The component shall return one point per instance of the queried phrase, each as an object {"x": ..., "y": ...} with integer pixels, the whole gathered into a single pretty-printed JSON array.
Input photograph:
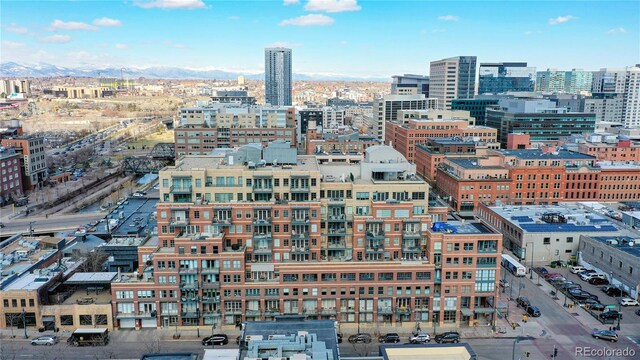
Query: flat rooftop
[
  {"x": 534, "y": 154},
  {"x": 555, "y": 218},
  {"x": 83, "y": 296},
  {"x": 136, "y": 219},
  {"x": 460, "y": 227},
  {"x": 461, "y": 351},
  {"x": 473, "y": 163},
  {"x": 304, "y": 163},
  {"x": 29, "y": 282},
  {"x": 627, "y": 244}
]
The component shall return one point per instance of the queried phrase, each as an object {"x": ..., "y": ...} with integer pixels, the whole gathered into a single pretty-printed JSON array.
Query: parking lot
[{"x": 630, "y": 322}]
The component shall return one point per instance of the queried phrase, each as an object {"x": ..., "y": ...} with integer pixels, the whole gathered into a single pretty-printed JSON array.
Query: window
[
  {"x": 423, "y": 275},
  {"x": 546, "y": 241},
  {"x": 86, "y": 320},
  {"x": 66, "y": 319}
]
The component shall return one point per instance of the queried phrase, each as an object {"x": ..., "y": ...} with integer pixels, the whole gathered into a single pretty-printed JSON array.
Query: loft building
[
  {"x": 352, "y": 243},
  {"x": 33, "y": 161}
]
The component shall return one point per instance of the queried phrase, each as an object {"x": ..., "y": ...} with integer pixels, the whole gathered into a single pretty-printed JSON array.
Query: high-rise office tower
[
  {"x": 277, "y": 76},
  {"x": 551, "y": 80},
  {"x": 452, "y": 78},
  {"x": 577, "y": 81},
  {"x": 496, "y": 78}
]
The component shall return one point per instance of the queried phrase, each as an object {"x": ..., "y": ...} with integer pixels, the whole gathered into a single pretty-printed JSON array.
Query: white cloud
[
  {"x": 448, "y": 18},
  {"x": 343, "y": 42},
  {"x": 121, "y": 46},
  {"x": 233, "y": 18},
  {"x": 180, "y": 46},
  {"x": 435, "y": 31},
  {"x": 561, "y": 19},
  {"x": 11, "y": 44},
  {"x": 284, "y": 44},
  {"x": 619, "y": 30},
  {"x": 105, "y": 21},
  {"x": 13, "y": 28},
  {"x": 170, "y": 4},
  {"x": 530, "y": 32},
  {"x": 309, "y": 20},
  {"x": 291, "y": 2},
  {"x": 332, "y": 6},
  {"x": 71, "y": 25},
  {"x": 58, "y": 39}
]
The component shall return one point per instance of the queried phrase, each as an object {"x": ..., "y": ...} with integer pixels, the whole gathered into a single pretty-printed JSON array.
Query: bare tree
[
  {"x": 151, "y": 343},
  {"x": 13, "y": 319},
  {"x": 362, "y": 349},
  {"x": 93, "y": 260}
]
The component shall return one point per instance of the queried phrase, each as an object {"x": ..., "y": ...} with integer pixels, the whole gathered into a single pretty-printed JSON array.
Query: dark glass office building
[{"x": 496, "y": 78}]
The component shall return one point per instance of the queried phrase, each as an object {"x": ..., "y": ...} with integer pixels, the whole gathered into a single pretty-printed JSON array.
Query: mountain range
[{"x": 12, "y": 69}]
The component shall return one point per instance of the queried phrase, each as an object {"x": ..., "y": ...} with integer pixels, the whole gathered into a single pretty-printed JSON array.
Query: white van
[{"x": 577, "y": 269}]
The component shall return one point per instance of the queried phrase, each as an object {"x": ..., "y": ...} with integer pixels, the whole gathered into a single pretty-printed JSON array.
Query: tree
[
  {"x": 12, "y": 320},
  {"x": 93, "y": 260},
  {"x": 151, "y": 343}
]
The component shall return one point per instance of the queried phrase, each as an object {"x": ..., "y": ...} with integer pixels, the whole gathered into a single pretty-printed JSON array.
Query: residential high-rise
[
  {"x": 622, "y": 81},
  {"x": 551, "y": 80},
  {"x": 577, "y": 81},
  {"x": 277, "y": 76},
  {"x": 410, "y": 84},
  {"x": 496, "y": 78},
  {"x": 452, "y": 78}
]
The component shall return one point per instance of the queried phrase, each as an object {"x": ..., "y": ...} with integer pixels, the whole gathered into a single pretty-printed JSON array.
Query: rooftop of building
[
  {"x": 319, "y": 340},
  {"x": 627, "y": 244},
  {"x": 556, "y": 218},
  {"x": 133, "y": 217},
  {"x": 473, "y": 164},
  {"x": 427, "y": 352},
  {"x": 538, "y": 154},
  {"x": 621, "y": 165},
  {"x": 24, "y": 253},
  {"x": 461, "y": 227}
]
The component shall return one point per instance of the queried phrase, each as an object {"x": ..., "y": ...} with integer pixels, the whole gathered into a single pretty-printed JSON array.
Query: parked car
[
  {"x": 216, "y": 339},
  {"x": 551, "y": 275},
  {"x": 613, "y": 291},
  {"x": 360, "y": 338},
  {"x": 421, "y": 338},
  {"x": 605, "y": 335},
  {"x": 579, "y": 294},
  {"x": 523, "y": 301},
  {"x": 339, "y": 338},
  {"x": 558, "y": 263},
  {"x": 598, "y": 281},
  {"x": 448, "y": 337},
  {"x": 504, "y": 283},
  {"x": 542, "y": 270},
  {"x": 577, "y": 269},
  {"x": 638, "y": 312},
  {"x": 597, "y": 307},
  {"x": 389, "y": 338},
  {"x": 533, "y": 311},
  {"x": 45, "y": 340},
  {"x": 611, "y": 315},
  {"x": 628, "y": 302}
]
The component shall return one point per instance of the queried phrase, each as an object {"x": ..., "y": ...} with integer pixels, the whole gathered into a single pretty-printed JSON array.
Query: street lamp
[
  {"x": 619, "y": 296},
  {"x": 434, "y": 322},
  {"x": 533, "y": 244},
  {"x": 24, "y": 323}
]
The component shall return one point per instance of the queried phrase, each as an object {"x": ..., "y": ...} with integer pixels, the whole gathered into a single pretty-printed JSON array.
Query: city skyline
[{"x": 329, "y": 37}]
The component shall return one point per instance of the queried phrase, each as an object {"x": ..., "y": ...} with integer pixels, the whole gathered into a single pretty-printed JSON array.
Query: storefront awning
[
  {"x": 483, "y": 310},
  {"x": 466, "y": 312},
  {"x": 502, "y": 305}
]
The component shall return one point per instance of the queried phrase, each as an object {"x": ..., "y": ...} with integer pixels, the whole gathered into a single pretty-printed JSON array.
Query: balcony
[
  {"x": 121, "y": 315},
  {"x": 336, "y": 201},
  {"x": 178, "y": 222},
  {"x": 262, "y": 221},
  {"x": 222, "y": 222},
  {"x": 252, "y": 312},
  {"x": 189, "y": 286},
  {"x": 299, "y": 249},
  {"x": 403, "y": 310},
  {"x": 213, "y": 270},
  {"x": 328, "y": 311},
  {"x": 214, "y": 313},
  {"x": 233, "y": 311},
  {"x": 375, "y": 235},
  {"x": 189, "y": 314},
  {"x": 337, "y": 245},
  {"x": 337, "y": 232},
  {"x": 300, "y": 236},
  {"x": 180, "y": 189},
  {"x": 374, "y": 249},
  {"x": 411, "y": 235},
  {"x": 411, "y": 249},
  {"x": 300, "y": 189},
  {"x": 211, "y": 299},
  {"x": 262, "y": 250},
  {"x": 337, "y": 218},
  {"x": 302, "y": 220},
  {"x": 188, "y": 271},
  {"x": 347, "y": 310},
  {"x": 272, "y": 311},
  {"x": 188, "y": 299},
  {"x": 385, "y": 311},
  {"x": 262, "y": 237},
  {"x": 262, "y": 190}
]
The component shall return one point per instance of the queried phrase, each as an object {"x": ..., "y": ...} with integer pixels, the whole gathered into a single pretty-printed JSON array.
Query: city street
[{"x": 52, "y": 223}]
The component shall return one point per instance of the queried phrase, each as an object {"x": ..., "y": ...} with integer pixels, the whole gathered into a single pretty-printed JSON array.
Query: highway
[{"x": 51, "y": 224}]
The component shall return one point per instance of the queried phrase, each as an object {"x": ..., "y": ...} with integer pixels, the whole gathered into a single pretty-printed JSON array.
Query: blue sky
[{"x": 347, "y": 37}]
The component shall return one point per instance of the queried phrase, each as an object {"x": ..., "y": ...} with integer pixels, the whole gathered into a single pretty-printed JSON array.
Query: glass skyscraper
[
  {"x": 277, "y": 76},
  {"x": 496, "y": 78}
]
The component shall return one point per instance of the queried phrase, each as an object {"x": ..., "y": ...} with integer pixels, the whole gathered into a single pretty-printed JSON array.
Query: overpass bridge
[{"x": 48, "y": 225}]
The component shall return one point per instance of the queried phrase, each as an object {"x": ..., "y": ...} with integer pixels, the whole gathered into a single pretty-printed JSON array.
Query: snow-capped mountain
[{"x": 12, "y": 69}]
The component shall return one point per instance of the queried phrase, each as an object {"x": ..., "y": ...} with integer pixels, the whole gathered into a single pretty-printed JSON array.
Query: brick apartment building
[
  {"x": 413, "y": 128},
  {"x": 355, "y": 243},
  {"x": 430, "y": 154},
  {"x": 330, "y": 143},
  {"x": 10, "y": 176},
  {"x": 533, "y": 176},
  {"x": 33, "y": 162},
  {"x": 621, "y": 150}
]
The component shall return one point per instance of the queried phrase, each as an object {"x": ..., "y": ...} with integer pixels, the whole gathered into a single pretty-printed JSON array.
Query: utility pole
[{"x": 24, "y": 323}]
